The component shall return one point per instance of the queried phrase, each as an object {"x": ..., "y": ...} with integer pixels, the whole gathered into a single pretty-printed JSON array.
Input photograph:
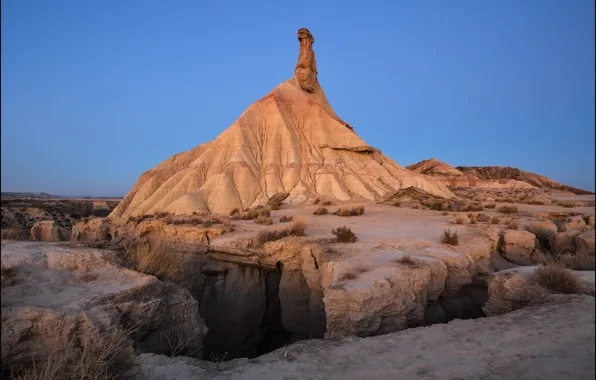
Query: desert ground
[{"x": 204, "y": 296}]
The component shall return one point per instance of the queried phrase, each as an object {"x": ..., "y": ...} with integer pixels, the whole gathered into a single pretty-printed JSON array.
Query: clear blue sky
[{"x": 94, "y": 93}]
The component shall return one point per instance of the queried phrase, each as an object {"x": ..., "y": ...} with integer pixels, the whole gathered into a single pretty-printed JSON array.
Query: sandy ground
[{"x": 549, "y": 341}]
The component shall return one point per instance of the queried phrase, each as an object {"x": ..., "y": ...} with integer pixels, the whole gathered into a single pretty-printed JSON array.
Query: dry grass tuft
[
  {"x": 407, "y": 261},
  {"x": 7, "y": 276},
  {"x": 107, "y": 358},
  {"x": 558, "y": 279},
  {"x": 316, "y": 202},
  {"x": 490, "y": 205},
  {"x": 495, "y": 220},
  {"x": 508, "y": 209},
  {"x": 262, "y": 219},
  {"x": 286, "y": 219},
  {"x": 567, "y": 204},
  {"x": 450, "y": 237},
  {"x": 344, "y": 235},
  {"x": 154, "y": 260},
  {"x": 475, "y": 206},
  {"x": 396, "y": 204},
  {"x": 354, "y": 211},
  {"x": 348, "y": 276},
  {"x": 327, "y": 203},
  {"x": 321, "y": 211},
  {"x": 235, "y": 212},
  {"x": 296, "y": 229}
]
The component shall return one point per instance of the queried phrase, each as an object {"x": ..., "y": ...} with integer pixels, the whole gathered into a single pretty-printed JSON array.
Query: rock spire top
[{"x": 306, "y": 68}]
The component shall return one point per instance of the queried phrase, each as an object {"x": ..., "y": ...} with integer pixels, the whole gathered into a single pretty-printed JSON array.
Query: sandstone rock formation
[
  {"x": 58, "y": 296},
  {"x": 506, "y": 172},
  {"x": 517, "y": 246},
  {"x": 489, "y": 177},
  {"x": 290, "y": 141},
  {"x": 49, "y": 231},
  {"x": 514, "y": 288},
  {"x": 452, "y": 177}
]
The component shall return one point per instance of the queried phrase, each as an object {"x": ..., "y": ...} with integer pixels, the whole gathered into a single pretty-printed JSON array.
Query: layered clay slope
[
  {"x": 289, "y": 141},
  {"x": 453, "y": 177},
  {"x": 506, "y": 172}
]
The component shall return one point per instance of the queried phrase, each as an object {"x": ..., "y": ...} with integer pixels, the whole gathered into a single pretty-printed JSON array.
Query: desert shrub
[
  {"x": 107, "y": 358},
  {"x": 321, "y": 211},
  {"x": 344, "y": 235},
  {"x": 235, "y": 212},
  {"x": 490, "y": 205},
  {"x": 567, "y": 204},
  {"x": 450, "y": 237},
  {"x": 509, "y": 200},
  {"x": 396, "y": 204},
  {"x": 444, "y": 213},
  {"x": 408, "y": 261},
  {"x": 579, "y": 261},
  {"x": 513, "y": 225},
  {"x": 436, "y": 204},
  {"x": 162, "y": 214},
  {"x": 558, "y": 279},
  {"x": 297, "y": 229},
  {"x": 460, "y": 219},
  {"x": 473, "y": 218},
  {"x": 416, "y": 206},
  {"x": 7, "y": 276},
  {"x": 327, "y": 203},
  {"x": 192, "y": 220},
  {"x": 354, "y": 211},
  {"x": 286, "y": 219},
  {"x": 316, "y": 202},
  {"x": 298, "y": 226},
  {"x": 495, "y": 220},
  {"x": 508, "y": 209},
  {"x": 262, "y": 219},
  {"x": 474, "y": 206},
  {"x": 154, "y": 260},
  {"x": 347, "y": 276}
]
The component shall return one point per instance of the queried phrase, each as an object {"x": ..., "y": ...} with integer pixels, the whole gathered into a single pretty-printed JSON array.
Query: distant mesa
[
  {"x": 290, "y": 141},
  {"x": 492, "y": 177}
]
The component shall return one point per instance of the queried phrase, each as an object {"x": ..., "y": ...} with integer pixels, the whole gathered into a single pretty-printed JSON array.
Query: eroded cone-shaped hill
[{"x": 289, "y": 141}]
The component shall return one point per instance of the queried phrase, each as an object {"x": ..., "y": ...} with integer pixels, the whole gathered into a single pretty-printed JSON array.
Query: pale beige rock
[
  {"x": 60, "y": 294},
  {"x": 585, "y": 243},
  {"x": 49, "y": 231},
  {"x": 517, "y": 246},
  {"x": 290, "y": 141},
  {"x": 514, "y": 288},
  {"x": 575, "y": 223}
]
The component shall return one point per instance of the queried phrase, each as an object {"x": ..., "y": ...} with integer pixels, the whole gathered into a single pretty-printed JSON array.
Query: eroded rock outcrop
[
  {"x": 59, "y": 296},
  {"x": 49, "y": 231},
  {"x": 517, "y": 246}
]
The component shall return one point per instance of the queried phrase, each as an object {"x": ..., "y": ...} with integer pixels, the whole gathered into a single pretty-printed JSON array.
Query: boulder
[
  {"x": 59, "y": 296},
  {"x": 48, "y": 230},
  {"x": 517, "y": 246},
  {"x": 563, "y": 242},
  {"x": 589, "y": 220},
  {"x": 575, "y": 223},
  {"x": 482, "y": 217},
  {"x": 585, "y": 243},
  {"x": 514, "y": 288}
]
